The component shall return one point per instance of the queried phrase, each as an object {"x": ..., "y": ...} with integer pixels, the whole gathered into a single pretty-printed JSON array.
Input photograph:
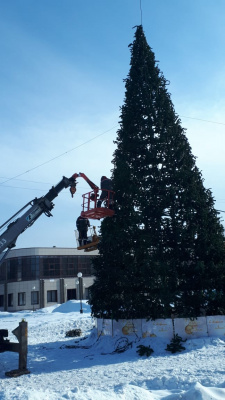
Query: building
[{"x": 39, "y": 277}]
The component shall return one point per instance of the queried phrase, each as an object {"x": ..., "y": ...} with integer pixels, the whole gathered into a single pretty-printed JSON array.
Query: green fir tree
[{"x": 165, "y": 244}]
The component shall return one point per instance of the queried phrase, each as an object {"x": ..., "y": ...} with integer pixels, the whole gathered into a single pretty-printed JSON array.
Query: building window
[
  {"x": 69, "y": 266},
  {"x": 1, "y": 300},
  {"x": 30, "y": 268},
  {"x": 10, "y": 300},
  {"x": 22, "y": 299},
  {"x": 51, "y": 267},
  {"x": 34, "y": 297},
  {"x": 52, "y": 296},
  {"x": 85, "y": 265},
  {"x": 3, "y": 271},
  {"x": 35, "y": 267},
  {"x": 12, "y": 269}
]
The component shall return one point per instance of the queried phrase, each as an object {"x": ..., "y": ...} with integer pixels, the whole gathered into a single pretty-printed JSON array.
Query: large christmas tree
[{"x": 164, "y": 248}]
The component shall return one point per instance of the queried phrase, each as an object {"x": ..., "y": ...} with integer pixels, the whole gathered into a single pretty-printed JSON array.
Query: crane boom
[
  {"x": 38, "y": 206},
  {"x": 90, "y": 183}
]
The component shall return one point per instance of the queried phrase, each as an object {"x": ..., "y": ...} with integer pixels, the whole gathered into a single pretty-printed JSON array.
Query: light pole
[
  {"x": 65, "y": 293},
  {"x": 33, "y": 288},
  {"x": 79, "y": 275}
]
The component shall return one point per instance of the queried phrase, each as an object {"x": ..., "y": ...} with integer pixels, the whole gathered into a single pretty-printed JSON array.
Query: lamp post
[
  {"x": 79, "y": 275},
  {"x": 33, "y": 288},
  {"x": 65, "y": 293}
]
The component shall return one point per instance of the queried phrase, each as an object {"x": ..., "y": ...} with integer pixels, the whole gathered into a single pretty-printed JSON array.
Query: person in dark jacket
[
  {"x": 82, "y": 224},
  {"x": 106, "y": 185}
]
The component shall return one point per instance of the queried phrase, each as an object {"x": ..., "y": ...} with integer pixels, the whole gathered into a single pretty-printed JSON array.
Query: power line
[
  {"x": 60, "y": 155},
  {"x": 88, "y": 141},
  {"x": 25, "y": 180},
  {"x": 204, "y": 120},
  {"x": 36, "y": 189},
  {"x": 24, "y": 188}
]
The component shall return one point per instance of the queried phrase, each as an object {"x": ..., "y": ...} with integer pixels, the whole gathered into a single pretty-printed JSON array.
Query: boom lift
[
  {"x": 92, "y": 240},
  {"x": 89, "y": 206},
  {"x": 13, "y": 227},
  {"x": 90, "y": 210}
]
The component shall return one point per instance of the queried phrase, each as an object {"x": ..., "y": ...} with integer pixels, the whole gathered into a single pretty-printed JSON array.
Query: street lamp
[
  {"x": 33, "y": 288},
  {"x": 79, "y": 275},
  {"x": 65, "y": 293}
]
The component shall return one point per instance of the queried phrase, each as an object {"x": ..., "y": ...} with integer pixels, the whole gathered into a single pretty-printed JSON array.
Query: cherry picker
[{"x": 16, "y": 225}]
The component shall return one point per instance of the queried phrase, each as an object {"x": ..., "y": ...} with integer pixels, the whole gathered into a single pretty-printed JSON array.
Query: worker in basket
[
  {"x": 82, "y": 224},
  {"x": 106, "y": 187}
]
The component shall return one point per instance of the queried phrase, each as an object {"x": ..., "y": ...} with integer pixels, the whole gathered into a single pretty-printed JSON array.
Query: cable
[
  {"x": 25, "y": 188},
  {"x": 141, "y": 11},
  {"x": 88, "y": 141},
  {"x": 204, "y": 120},
  {"x": 60, "y": 155},
  {"x": 26, "y": 180},
  {"x": 41, "y": 190}
]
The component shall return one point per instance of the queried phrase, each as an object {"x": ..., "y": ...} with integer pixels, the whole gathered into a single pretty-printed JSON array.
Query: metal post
[
  {"x": 33, "y": 289},
  {"x": 79, "y": 275}
]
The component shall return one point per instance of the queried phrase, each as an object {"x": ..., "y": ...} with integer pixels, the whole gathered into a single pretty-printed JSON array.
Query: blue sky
[{"x": 61, "y": 78}]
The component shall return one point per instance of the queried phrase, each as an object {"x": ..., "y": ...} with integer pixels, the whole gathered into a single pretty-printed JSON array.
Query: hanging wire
[
  {"x": 26, "y": 180},
  {"x": 141, "y": 11},
  {"x": 82, "y": 144},
  {"x": 60, "y": 155},
  {"x": 204, "y": 120}
]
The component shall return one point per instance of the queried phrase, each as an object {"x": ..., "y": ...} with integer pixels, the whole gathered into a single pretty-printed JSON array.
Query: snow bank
[{"x": 72, "y": 306}]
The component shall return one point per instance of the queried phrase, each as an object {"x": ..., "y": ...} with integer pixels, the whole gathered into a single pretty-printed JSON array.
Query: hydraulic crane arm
[
  {"x": 90, "y": 183},
  {"x": 38, "y": 206}
]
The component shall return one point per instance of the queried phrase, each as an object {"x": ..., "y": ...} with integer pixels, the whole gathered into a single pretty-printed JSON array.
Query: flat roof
[{"x": 49, "y": 251}]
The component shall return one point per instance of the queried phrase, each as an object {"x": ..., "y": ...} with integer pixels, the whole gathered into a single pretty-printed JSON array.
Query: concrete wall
[{"x": 42, "y": 286}]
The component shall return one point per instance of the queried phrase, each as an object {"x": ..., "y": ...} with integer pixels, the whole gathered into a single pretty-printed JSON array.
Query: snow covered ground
[{"x": 92, "y": 368}]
